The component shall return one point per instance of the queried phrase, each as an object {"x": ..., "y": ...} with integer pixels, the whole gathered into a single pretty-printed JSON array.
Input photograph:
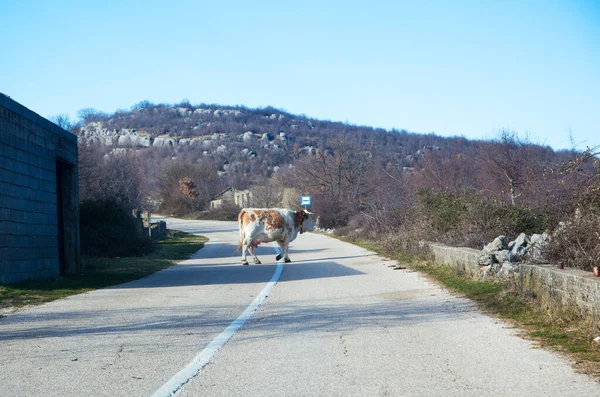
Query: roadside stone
[
  {"x": 504, "y": 256},
  {"x": 486, "y": 272},
  {"x": 495, "y": 268},
  {"x": 538, "y": 244},
  {"x": 519, "y": 252},
  {"x": 508, "y": 269},
  {"x": 498, "y": 244},
  {"x": 485, "y": 260},
  {"x": 522, "y": 241}
]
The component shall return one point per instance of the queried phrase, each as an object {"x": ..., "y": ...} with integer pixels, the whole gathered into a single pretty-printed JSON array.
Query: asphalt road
[{"x": 339, "y": 322}]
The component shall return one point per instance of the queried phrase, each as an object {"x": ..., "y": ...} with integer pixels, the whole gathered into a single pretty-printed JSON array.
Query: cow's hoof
[
  {"x": 257, "y": 261},
  {"x": 287, "y": 260},
  {"x": 278, "y": 257},
  {"x": 245, "y": 263}
]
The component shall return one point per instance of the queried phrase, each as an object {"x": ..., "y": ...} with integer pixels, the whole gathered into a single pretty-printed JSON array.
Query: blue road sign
[{"x": 306, "y": 201}]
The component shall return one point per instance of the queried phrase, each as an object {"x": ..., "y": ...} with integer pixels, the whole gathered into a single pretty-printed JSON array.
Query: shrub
[
  {"x": 444, "y": 211},
  {"x": 472, "y": 220},
  {"x": 577, "y": 242},
  {"x": 227, "y": 212},
  {"x": 107, "y": 229}
]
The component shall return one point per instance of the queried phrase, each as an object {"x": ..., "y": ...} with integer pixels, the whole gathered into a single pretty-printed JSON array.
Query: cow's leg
[
  {"x": 280, "y": 255},
  {"x": 245, "y": 246},
  {"x": 284, "y": 252},
  {"x": 254, "y": 257},
  {"x": 286, "y": 246}
]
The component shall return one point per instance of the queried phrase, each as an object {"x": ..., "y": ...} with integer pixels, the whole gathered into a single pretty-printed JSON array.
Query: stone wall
[
  {"x": 39, "y": 226},
  {"x": 562, "y": 287},
  {"x": 565, "y": 288},
  {"x": 460, "y": 258}
]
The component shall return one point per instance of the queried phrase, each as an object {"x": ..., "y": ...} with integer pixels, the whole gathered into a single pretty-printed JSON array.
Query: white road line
[{"x": 200, "y": 361}]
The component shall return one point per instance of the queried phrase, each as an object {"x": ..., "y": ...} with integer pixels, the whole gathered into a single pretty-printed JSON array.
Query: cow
[{"x": 264, "y": 225}]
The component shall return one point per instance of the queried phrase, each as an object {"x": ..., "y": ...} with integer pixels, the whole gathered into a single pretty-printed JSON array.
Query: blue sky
[{"x": 455, "y": 68}]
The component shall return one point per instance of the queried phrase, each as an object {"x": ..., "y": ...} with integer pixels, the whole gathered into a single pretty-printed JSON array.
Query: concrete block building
[{"x": 39, "y": 202}]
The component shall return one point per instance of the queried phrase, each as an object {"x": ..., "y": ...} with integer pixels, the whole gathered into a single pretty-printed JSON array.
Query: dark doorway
[{"x": 64, "y": 198}]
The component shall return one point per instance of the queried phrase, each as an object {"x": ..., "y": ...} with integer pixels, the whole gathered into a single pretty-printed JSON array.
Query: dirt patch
[{"x": 403, "y": 295}]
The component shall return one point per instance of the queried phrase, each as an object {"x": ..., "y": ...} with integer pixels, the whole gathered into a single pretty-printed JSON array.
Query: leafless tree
[
  {"x": 508, "y": 159},
  {"x": 206, "y": 182},
  {"x": 266, "y": 196},
  {"x": 338, "y": 178},
  {"x": 109, "y": 176},
  {"x": 63, "y": 121}
]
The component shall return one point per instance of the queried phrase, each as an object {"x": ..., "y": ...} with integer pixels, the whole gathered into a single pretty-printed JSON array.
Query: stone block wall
[
  {"x": 563, "y": 288},
  {"x": 460, "y": 258},
  {"x": 39, "y": 226}
]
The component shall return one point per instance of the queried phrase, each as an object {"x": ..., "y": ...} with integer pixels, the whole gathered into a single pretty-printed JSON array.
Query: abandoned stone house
[
  {"x": 39, "y": 205},
  {"x": 262, "y": 196},
  {"x": 241, "y": 198}
]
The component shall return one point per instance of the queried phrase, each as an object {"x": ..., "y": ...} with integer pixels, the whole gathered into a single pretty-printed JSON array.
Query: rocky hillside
[{"x": 245, "y": 140}]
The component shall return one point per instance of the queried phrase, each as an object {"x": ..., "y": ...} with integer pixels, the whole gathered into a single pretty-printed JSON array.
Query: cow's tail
[{"x": 241, "y": 226}]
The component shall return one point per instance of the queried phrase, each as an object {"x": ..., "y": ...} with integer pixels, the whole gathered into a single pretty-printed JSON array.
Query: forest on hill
[{"x": 375, "y": 183}]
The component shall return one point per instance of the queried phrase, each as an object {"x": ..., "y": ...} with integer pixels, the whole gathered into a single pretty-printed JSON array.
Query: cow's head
[{"x": 304, "y": 221}]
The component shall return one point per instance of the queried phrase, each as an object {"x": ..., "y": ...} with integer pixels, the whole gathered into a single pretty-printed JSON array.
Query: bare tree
[
  {"x": 266, "y": 196},
  {"x": 90, "y": 114},
  {"x": 63, "y": 121},
  {"x": 338, "y": 178},
  {"x": 509, "y": 160},
  {"x": 445, "y": 172},
  {"x": 174, "y": 198},
  {"x": 109, "y": 176}
]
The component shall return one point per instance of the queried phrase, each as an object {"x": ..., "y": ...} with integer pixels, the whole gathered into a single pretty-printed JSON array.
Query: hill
[
  {"x": 351, "y": 169},
  {"x": 395, "y": 185},
  {"x": 250, "y": 142}
]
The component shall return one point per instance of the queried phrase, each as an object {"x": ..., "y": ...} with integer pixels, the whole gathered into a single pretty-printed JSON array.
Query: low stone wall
[
  {"x": 459, "y": 258},
  {"x": 566, "y": 288}
]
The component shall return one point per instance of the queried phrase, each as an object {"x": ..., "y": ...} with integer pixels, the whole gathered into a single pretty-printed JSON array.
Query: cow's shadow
[
  {"x": 188, "y": 275},
  {"x": 218, "y": 263},
  {"x": 266, "y": 251}
]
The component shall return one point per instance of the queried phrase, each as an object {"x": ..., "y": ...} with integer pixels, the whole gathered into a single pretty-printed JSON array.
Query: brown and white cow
[{"x": 263, "y": 225}]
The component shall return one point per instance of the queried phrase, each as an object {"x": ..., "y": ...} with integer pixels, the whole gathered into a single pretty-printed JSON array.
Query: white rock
[
  {"x": 508, "y": 269},
  {"x": 522, "y": 240},
  {"x": 163, "y": 142},
  {"x": 124, "y": 140},
  {"x": 222, "y": 149},
  {"x": 498, "y": 244},
  {"x": 504, "y": 256},
  {"x": 248, "y": 136},
  {"x": 183, "y": 111}
]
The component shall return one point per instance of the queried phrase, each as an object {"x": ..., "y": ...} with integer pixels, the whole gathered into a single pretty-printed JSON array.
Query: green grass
[{"x": 103, "y": 272}]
